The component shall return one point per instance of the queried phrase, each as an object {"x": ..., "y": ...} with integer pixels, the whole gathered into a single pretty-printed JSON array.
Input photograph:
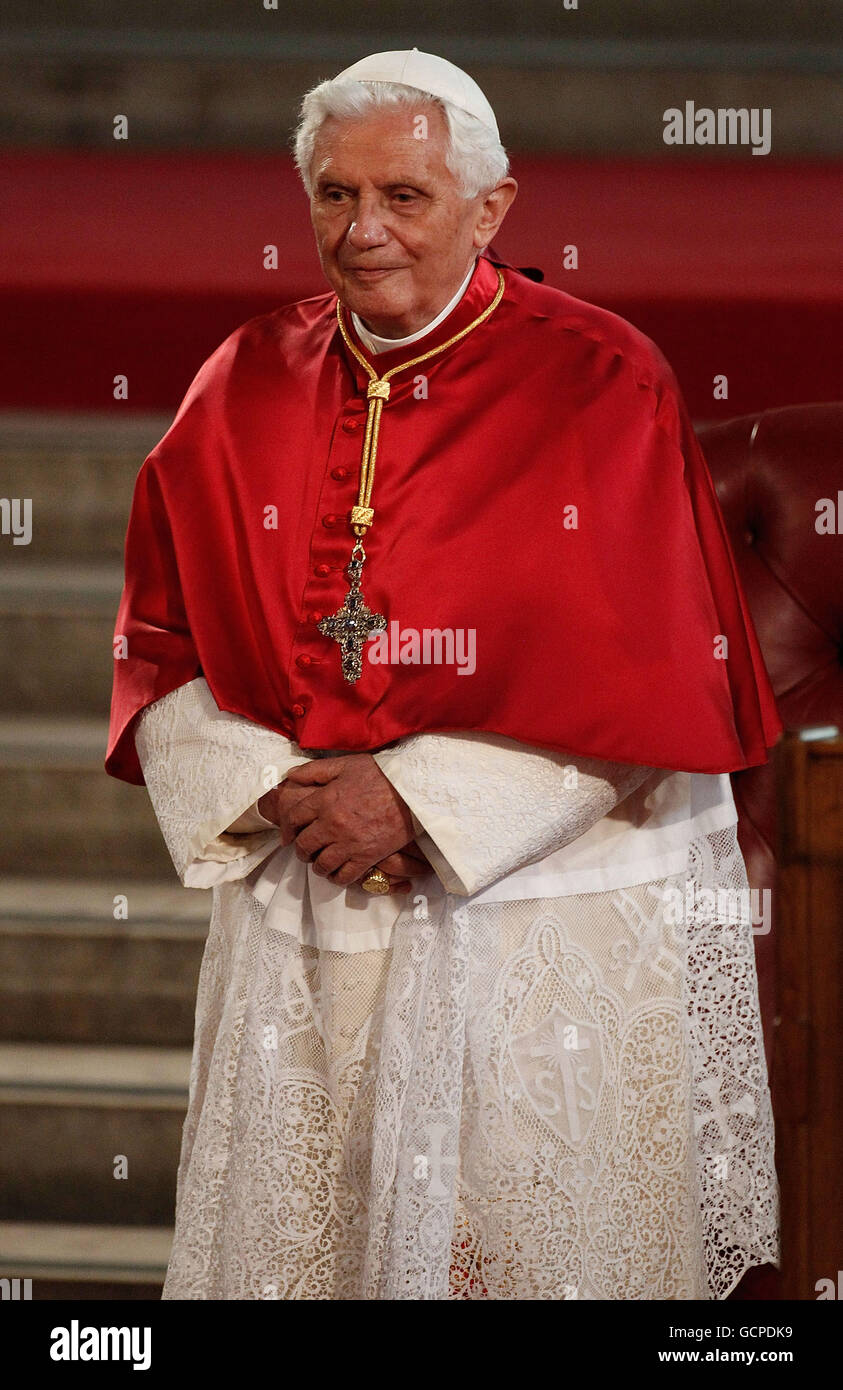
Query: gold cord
[{"x": 377, "y": 393}]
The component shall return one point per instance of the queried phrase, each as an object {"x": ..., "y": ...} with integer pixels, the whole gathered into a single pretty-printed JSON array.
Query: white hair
[{"x": 475, "y": 156}]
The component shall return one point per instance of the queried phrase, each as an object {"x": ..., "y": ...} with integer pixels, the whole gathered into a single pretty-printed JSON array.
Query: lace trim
[{"x": 551, "y": 1099}]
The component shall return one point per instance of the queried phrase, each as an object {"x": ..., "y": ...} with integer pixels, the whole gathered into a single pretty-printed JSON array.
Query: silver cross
[{"x": 351, "y": 625}]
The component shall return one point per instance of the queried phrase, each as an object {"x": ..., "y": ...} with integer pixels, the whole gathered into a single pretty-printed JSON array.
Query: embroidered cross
[{"x": 648, "y": 948}]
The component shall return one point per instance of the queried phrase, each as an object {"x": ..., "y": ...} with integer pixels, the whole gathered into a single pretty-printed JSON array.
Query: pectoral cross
[{"x": 351, "y": 624}]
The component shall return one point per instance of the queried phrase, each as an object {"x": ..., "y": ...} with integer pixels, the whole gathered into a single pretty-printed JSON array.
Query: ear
[{"x": 495, "y": 206}]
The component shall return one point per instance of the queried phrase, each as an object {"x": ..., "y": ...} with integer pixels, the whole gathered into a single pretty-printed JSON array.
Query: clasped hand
[{"x": 345, "y": 818}]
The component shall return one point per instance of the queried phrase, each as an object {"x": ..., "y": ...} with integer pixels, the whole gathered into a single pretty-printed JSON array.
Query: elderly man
[{"x": 433, "y": 658}]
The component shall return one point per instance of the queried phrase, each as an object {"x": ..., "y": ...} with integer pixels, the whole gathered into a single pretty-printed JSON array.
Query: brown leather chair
[{"x": 770, "y": 470}]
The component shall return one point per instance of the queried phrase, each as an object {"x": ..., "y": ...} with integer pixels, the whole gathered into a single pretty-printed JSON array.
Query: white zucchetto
[{"x": 426, "y": 73}]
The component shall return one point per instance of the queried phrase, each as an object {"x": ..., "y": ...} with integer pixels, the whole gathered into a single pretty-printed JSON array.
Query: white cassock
[{"x": 539, "y": 1076}]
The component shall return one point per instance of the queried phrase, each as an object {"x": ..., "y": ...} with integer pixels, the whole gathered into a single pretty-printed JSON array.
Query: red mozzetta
[{"x": 538, "y": 486}]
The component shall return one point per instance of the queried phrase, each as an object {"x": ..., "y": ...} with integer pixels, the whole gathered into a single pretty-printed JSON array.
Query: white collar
[{"x": 376, "y": 344}]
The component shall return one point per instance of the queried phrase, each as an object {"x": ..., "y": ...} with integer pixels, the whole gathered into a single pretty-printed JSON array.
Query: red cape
[{"x": 602, "y": 638}]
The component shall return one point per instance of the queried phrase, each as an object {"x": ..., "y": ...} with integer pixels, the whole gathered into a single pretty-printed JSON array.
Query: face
[{"x": 395, "y": 236}]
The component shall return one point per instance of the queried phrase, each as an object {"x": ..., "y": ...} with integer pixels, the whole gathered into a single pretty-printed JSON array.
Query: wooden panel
[{"x": 808, "y": 1065}]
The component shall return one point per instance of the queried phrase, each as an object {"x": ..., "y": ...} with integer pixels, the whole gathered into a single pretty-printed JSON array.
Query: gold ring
[{"x": 376, "y": 882}]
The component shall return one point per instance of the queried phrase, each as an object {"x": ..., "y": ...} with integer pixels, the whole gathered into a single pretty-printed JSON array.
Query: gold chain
[{"x": 377, "y": 393}]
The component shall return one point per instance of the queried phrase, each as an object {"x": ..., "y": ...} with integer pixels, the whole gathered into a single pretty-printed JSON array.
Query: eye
[{"x": 404, "y": 198}]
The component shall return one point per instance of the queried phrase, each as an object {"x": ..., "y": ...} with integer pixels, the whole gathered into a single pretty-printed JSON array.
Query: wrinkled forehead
[{"x": 374, "y": 143}]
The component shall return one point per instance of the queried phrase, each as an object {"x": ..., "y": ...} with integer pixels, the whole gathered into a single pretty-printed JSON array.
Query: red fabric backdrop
[{"x": 140, "y": 264}]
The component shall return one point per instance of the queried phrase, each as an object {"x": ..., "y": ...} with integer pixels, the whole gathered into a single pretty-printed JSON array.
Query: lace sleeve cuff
[
  {"x": 205, "y": 769},
  {"x": 484, "y": 806}
]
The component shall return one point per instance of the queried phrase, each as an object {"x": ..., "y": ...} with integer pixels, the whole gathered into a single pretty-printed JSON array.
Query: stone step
[
  {"x": 79, "y": 472},
  {"x": 67, "y": 1114},
  {"x": 70, "y": 972},
  {"x": 64, "y": 815},
  {"x": 602, "y": 94},
  {"x": 67, "y": 1261},
  {"x": 332, "y": 29},
  {"x": 56, "y": 627}
]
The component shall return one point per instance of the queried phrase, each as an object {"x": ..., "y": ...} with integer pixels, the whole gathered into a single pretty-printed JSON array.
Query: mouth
[{"x": 373, "y": 272}]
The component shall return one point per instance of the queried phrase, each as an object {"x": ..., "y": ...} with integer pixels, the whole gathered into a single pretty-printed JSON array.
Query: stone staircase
[
  {"x": 561, "y": 75},
  {"x": 99, "y": 944}
]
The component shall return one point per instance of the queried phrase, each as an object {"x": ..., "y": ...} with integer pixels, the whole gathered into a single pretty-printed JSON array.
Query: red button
[
  {"x": 298, "y": 711},
  {"x": 351, "y": 425},
  {"x": 322, "y": 570},
  {"x": 331, "y": 520},
  {"x": 314, "y": 616},
  {"x": 340, "y": 473},
  {"x": 304, "y": 660}
]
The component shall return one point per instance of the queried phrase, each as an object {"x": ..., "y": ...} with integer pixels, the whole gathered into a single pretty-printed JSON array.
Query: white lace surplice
[{"x": 501, "y": 1095}]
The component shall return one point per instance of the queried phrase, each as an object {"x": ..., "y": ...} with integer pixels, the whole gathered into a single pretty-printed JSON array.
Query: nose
[{"x": 367, "y": 229}]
